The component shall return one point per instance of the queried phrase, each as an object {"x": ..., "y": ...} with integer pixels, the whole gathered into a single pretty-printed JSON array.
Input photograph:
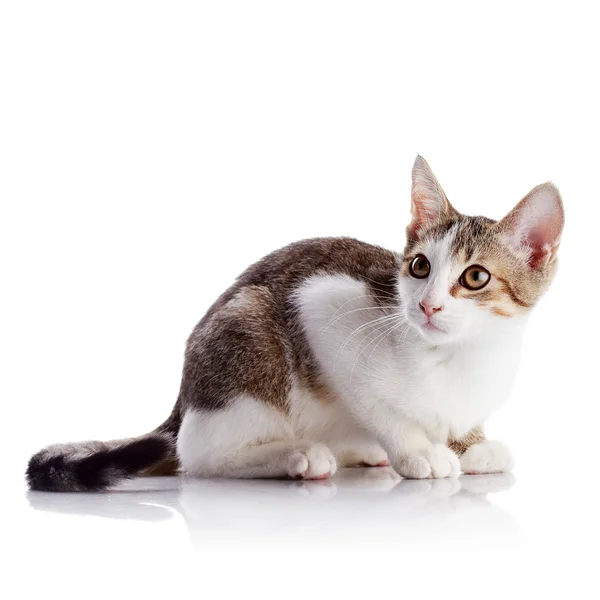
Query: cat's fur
[{"x": 320, "y": 355}]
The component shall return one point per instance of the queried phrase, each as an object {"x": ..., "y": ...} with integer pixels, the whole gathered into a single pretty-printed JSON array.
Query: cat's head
[{"x": 461, "y": 274}]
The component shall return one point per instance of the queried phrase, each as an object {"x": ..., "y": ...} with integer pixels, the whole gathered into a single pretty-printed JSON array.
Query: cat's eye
[
  {"x": 419, "y": 267},
  {"x": 475, "y": 277}
]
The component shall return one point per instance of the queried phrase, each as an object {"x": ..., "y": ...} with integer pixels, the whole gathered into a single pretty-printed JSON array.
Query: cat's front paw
[
  {"x": 435, "y": 462},
  {"x": 487, "y": 457},
  {"x": 313, "y": 462}
]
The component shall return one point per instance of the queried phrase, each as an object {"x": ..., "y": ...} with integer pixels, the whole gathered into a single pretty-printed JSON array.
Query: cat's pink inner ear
[
  {"x": 535, "y": 225},
  {"x": 428, "y": 200}
]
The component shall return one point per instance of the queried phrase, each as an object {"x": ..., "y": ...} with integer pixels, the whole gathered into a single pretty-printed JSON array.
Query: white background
[{"x": 150, "y": 151}]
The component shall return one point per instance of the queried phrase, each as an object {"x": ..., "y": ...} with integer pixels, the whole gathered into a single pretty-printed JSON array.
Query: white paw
[
  {"x": 375, "y": 456},
  {"x": 435, "y": 462},
  {"x": 367, "y": 456},
  {"x": 314, "y": 462},
  {"x": 487, "y": 457}
]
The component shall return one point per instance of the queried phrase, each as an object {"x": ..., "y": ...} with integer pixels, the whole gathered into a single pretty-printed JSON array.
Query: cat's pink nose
[{"x": 429, "y": 309}]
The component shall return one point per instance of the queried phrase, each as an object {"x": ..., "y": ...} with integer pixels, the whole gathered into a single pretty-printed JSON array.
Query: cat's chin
[
  {"x": 436, "y": 336},
  {"x": 432, "y": 333}
]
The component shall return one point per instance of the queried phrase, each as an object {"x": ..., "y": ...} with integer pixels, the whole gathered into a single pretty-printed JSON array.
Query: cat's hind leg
[
  {"x": 248, "y": 439},
  {"x": 367, "y": 455},
  {"x": 487, "y": 457},
  {"x": 479, "y": 455},
  {"x": 356, "y": 448}
]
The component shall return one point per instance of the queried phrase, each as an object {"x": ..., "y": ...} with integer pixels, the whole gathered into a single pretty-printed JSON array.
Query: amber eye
[
  {"x": 419, "y": 267},
  {"x": 474, "y": 277}
]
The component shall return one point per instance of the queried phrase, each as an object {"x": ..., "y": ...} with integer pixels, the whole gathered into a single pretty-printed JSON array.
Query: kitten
[{"x": 332, "y": 352}]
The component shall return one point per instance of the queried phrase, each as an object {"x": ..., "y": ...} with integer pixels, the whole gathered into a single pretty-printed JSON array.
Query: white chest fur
[
  {"x": 454, "y": 389},
  {"x": 379, "y": 365}
]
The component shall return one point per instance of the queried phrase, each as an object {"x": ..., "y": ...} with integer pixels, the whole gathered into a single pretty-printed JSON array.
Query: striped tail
[{"x": 94, "y": 466}]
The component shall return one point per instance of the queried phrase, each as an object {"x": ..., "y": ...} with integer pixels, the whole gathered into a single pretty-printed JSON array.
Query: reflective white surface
[
  {"x": 356, "y": 504},
  {"x": 365, "y": 532}
]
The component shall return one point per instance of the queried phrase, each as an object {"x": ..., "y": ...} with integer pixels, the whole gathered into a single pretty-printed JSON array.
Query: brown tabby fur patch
[
  {"x": 166, "y": 467},
  {"x": 474, "y": 436},
  {"x": 251, "y": 341}
]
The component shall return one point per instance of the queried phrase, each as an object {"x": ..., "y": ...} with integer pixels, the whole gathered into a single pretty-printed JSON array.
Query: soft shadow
[{"x": 367, "y": 502}]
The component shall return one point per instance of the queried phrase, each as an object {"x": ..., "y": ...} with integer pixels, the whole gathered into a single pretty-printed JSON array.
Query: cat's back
[
  {"x": 253, "y": 327},
  {"x": 321, "y": 256},
  {"x": 280, "y": 273}
]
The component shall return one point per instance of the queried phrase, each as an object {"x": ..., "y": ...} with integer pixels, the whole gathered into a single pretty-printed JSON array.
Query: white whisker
[
  {"x": 373, "y": 323},
  {"x": 377, "y": 337},
  {"x": 324, "y": 329}
]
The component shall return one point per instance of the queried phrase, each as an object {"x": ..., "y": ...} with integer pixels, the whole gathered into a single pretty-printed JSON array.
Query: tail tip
[{"x": 92, "y": 466}]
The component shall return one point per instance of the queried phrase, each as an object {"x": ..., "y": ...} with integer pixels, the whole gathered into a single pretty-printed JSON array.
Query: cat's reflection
[{"x": 361, "y": 499}]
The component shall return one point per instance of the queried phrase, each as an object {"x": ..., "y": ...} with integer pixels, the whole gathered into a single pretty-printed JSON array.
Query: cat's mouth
[
  {"x": 425, "y": 324},
  {"x": 432, "y": 327},
  {"x": 429, "y": 326}
]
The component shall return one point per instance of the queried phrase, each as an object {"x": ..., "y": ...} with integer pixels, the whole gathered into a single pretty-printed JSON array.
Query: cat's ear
[
  {"x": 535, "y": 225},
  {"x": 428, "y": 200}
]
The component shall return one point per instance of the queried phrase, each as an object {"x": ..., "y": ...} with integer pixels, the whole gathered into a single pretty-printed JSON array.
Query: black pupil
[
  {"x": 476, "y": 275},
  {"x": 421, "y": 265}
]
